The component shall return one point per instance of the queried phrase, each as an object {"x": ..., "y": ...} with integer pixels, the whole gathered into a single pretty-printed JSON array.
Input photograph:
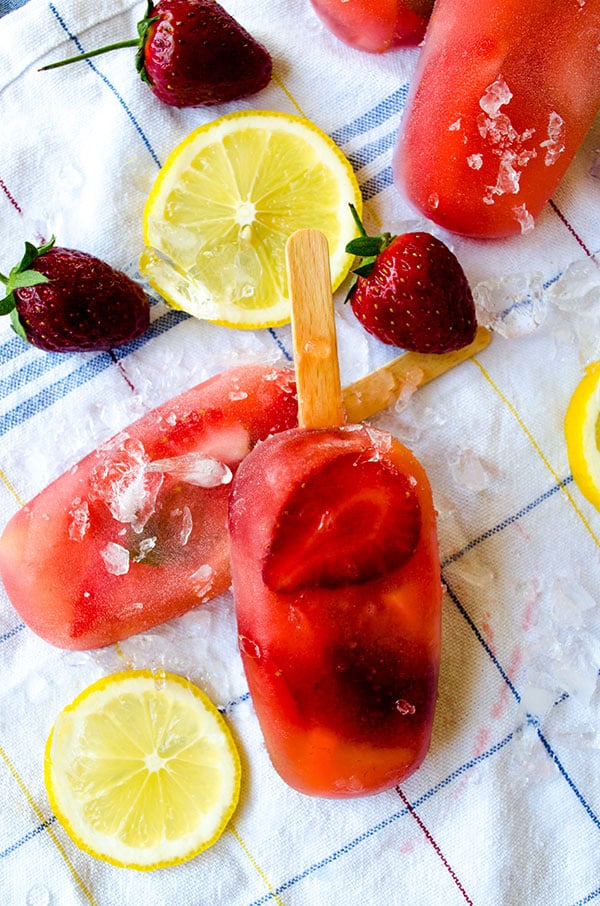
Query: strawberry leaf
[
  {"x": 7, "y": 304},
  {"x": 15, "y": 323},
  {"x": 31, "y": 253},
  {"x": 26, "y": 278},
  {"x": 365, "y": 246},
  {"x": 365, "y": 268},
  {"x": 20, "y": 276}
]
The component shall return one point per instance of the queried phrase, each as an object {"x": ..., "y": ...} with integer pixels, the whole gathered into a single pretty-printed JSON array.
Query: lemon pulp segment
[
  {"x": 141, "y": 770},
  {"x": 225, "y": 202},
  {"x": 582, "y": 433}
]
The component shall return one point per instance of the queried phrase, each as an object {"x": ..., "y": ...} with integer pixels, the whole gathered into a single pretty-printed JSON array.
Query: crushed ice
[
  {"x": 511, "y": 147},
  {"x": 468, "y": 471},
  {"x": 560, "y": 685},
  {"x": 120, "y": 481},
  {"x": 202, "y": 580},
  {"x": 555, "y": 143},
  {"x": 514, "y": 305},
  {"x": 194, "y": 468},
  {"x": 496, "y": 95},
  {"x": 80, "y": 519},
  {"x": 116, "y": 559}
]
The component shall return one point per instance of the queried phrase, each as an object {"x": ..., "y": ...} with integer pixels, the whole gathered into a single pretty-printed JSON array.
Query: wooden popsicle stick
[
  {"x": 379, "y": 389},
  {"x": 314, "y": 341}
]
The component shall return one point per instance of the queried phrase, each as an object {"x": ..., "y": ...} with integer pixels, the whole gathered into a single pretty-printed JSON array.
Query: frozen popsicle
[
  {"x": 336, "y": 576},
  {"x": 136, "y": 533},
  {"x": 502, "y": 98}
]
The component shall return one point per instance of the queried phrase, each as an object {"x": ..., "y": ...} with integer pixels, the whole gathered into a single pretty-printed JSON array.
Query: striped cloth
[
  {"x": 7, "y": 6},
  {"x": 505, "y": 811}
]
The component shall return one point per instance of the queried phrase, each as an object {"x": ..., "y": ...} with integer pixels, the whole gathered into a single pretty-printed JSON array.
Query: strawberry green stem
[
  {"x": 357, "y": 220},
  {"x": 131, "y": 42},
  {"x": 139, "y": 42},
  {"x": 365, "y": 247}
]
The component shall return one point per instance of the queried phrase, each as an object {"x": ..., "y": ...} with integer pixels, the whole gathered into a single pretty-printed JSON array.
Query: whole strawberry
[
  {"x": 410, "y": 291},
  {"x": 62, "y": 300},
  {"x": 192, "y": 53}
]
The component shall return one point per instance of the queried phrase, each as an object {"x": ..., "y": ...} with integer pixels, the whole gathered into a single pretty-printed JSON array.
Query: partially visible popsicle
[
  {"x": 502, "y": 98},
  {"x": 336, "y": 576},
  {"x": 375, "y": 26},
  {"x": 136, "y": 533}
]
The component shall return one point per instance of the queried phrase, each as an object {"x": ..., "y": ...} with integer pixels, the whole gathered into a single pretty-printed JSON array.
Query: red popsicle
[
  {"x": 503, "y": 96},
  {"x": 375, "y": 26},
  {"x": 336, "y": 576},
  {"x": 136, "y": 533}
]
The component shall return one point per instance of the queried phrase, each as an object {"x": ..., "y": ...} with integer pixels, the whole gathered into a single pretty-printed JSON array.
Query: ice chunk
[
  {"x": 555, "y": 143},
  {"x": 468, "y": 471},
  {"x": 578, "y": 288},
  {"x": 382, "y": 444},
  {"x": 412, "y": 381},
  {"x": 80, "y": 519},
  {"x": 187, "y": 524},
  {"x": 194, "y": 468},
  {"x": 513, "y": 305},
  {"x": 145, "y": 546},
  {"x": 119, "y": 480},
  {"x": 116, "y": 559},
  {"x": 524, "y": 218},
  {"x": 202, "y": 580},
  {"x": 571, "y": 603},
  {"x": 475, "y": 161},
  {"x": 477, "y": 574},
  {"x": 495, "y": 96},
  {"x": 537, "y": 700}
]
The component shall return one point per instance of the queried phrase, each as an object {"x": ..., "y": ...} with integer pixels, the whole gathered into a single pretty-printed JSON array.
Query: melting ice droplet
[{"x": 195, "y": 468}]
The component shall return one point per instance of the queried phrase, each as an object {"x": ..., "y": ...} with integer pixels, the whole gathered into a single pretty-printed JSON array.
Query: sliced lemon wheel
[
  {"x": 223, "y": 205},
  {"x": 582, "y": 433},
  {"x": 141, "y": 770}
]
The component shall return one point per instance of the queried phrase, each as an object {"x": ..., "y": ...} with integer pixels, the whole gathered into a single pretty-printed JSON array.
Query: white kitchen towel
[{"x": 505, "y": 810}]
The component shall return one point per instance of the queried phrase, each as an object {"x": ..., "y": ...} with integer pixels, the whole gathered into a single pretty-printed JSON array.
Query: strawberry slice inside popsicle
[{"x": 353, "y": 521}]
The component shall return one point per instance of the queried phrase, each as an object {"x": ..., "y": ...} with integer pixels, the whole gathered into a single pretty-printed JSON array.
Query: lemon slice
[
  {"x": 582, "y": 432},
  {"x": 141, "y": 770},
  {"x": 223, "y": 205}
]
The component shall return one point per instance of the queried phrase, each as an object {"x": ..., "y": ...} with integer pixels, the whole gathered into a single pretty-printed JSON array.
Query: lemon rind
[{"x": 580, "y": 433}]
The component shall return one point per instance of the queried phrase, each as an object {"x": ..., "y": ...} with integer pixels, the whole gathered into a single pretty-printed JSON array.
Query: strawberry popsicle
[
  {"x": 136, "y": 533},
  {"x": 336, "y": 577},
  {"x": 375, "y": 26},
  {"x": 503, "y": 96}
]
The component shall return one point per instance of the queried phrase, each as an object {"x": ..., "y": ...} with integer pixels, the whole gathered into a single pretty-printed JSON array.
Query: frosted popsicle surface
[{"x": 503, "y": 96}]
